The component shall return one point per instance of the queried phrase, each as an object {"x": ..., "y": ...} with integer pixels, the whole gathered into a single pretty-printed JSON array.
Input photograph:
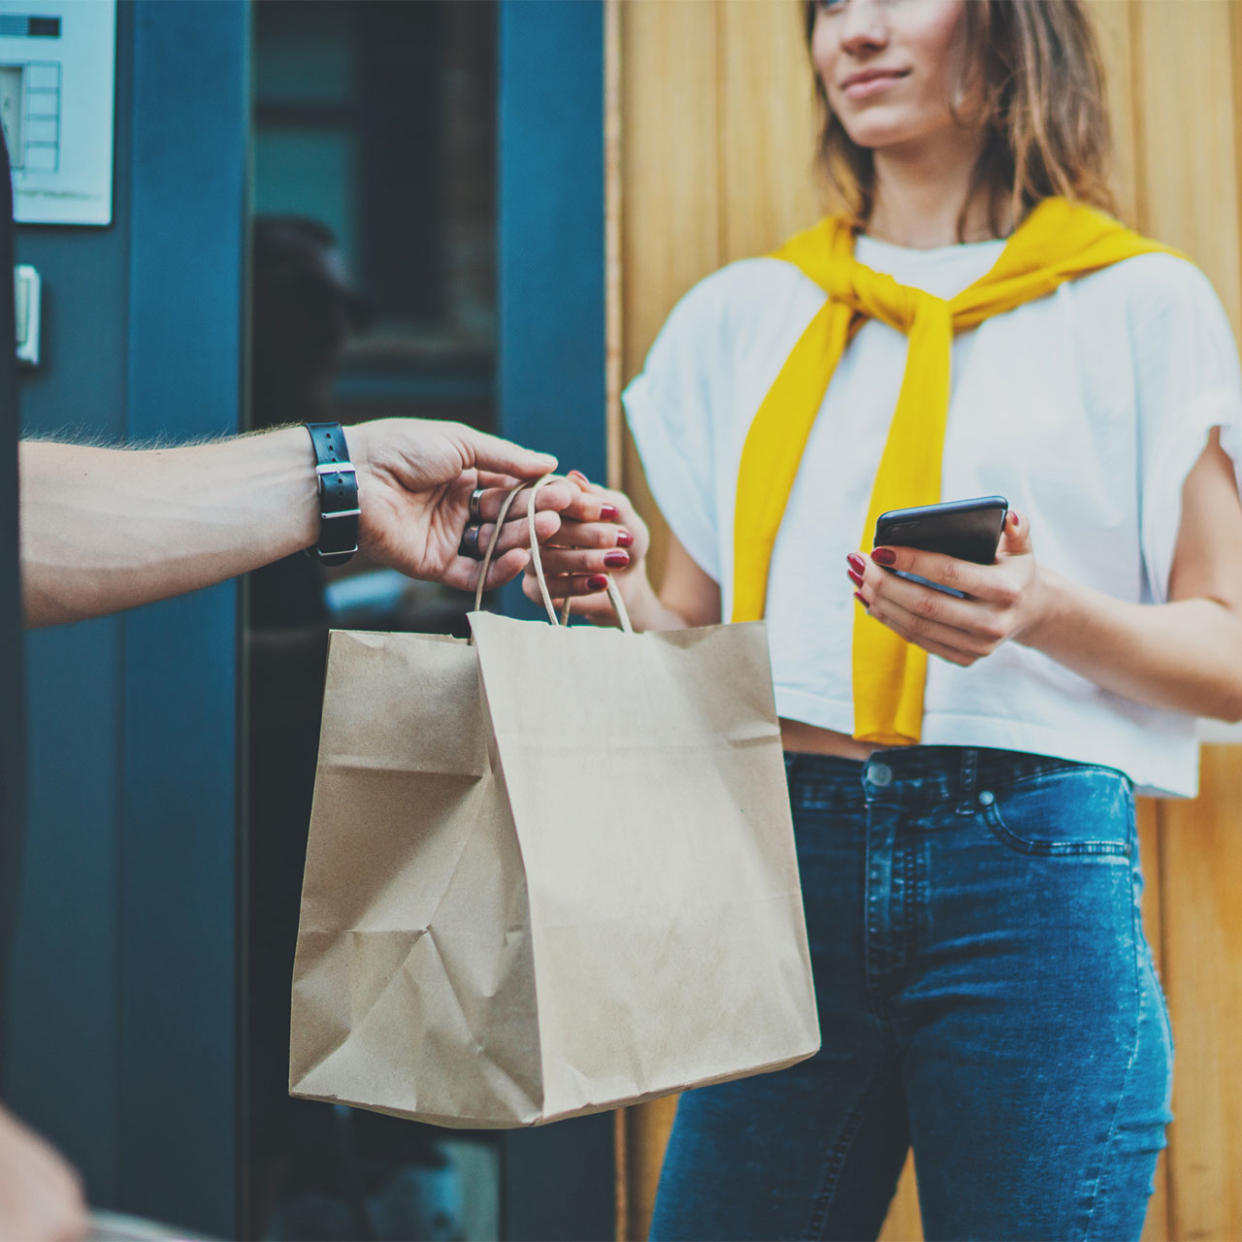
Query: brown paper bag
[{"x": 549, "y": 872}]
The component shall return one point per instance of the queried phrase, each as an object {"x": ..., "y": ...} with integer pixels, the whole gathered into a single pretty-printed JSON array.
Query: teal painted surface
[
  {"x": 558, "y": 1180},
  {"x": 123, "y": 1006}
]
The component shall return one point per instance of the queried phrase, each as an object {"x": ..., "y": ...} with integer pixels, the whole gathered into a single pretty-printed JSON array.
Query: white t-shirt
[{"x": 1086, "y": 409}]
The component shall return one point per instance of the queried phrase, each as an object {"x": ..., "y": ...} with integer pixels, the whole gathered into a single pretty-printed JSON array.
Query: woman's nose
[{"x": 864, "y": 27}]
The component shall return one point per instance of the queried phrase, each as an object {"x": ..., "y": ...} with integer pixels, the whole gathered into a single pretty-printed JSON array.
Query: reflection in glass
[{"x": 372, "y": 294}]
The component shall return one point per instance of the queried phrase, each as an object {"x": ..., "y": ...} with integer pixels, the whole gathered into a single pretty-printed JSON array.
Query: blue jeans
[{"x": 986, "y": 995}]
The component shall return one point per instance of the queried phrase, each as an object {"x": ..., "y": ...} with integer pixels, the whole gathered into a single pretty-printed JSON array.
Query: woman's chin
[{"x": 877, "y": 133}]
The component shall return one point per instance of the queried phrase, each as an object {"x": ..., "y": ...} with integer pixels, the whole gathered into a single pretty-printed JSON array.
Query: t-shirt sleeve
[
  {"x": 1188, "y": 381},
  {"x": 670, "y": 406}
]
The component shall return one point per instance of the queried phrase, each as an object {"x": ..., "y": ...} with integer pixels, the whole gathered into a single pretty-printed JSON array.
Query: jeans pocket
[{"x": 1080, "y": 811}]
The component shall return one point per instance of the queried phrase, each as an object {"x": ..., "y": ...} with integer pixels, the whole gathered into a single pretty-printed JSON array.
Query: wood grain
[
  {"x": 670, "y": 202},
  {"x": 669, "y": 238},
  {"x": 904, "y": 1223},
  {"x": 1156, "y": 1227},
  {"x": 1115, "y": 29},
  {"x": 1202, "y": 875},
  {"x": 769, "y": 188},
  {"x": 713, "y": 108},
  {"x": 1188, "y": 196}
]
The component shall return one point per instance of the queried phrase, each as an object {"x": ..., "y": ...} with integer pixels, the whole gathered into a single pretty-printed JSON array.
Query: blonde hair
[{"x": 1035, "y": 79}]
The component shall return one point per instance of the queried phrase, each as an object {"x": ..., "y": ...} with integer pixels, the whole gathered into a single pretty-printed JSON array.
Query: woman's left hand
[{"x": 1001, "y": 602}]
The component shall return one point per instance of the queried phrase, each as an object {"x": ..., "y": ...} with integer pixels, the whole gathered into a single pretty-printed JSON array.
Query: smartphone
[{"x": 969, "y": 530}]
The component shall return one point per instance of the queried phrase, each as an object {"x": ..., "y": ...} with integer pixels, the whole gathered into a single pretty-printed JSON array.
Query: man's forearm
[{"x": 106, "y": 529}]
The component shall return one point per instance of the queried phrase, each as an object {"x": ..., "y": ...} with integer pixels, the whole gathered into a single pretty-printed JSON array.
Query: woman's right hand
[{"x": 579, "y": 557}]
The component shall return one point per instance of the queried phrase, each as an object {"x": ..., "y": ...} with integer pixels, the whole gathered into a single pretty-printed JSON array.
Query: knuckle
[
  {"x": 1007, "y": 593},
  {"x": 916, "y": 627}
]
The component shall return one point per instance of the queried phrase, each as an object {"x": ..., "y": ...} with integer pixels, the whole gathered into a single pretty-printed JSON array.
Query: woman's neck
[{"x": 919, "y": 194}]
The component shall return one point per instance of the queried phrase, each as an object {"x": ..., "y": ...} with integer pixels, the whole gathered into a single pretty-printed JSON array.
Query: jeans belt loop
[{"x": 969, "y": 779}]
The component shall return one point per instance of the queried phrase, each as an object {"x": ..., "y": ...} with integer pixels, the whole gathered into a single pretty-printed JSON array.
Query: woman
[{"x": 965, "y": 824}]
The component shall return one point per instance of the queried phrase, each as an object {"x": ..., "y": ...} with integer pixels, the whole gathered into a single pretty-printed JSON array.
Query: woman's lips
[{"x": 863, "y": 86}]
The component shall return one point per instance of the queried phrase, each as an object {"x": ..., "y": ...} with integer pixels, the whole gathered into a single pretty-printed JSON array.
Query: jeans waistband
[{"x": 923, "y": 773}]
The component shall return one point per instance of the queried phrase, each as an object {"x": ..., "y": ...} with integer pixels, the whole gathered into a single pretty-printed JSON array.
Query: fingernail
[
  {"x": 884, "y": 556},
  {"x": 577, "y": 474},
  {"x": 617, "y": 560},
  {"x": 860, "y": 599},
  {"x": 624, "y": 539},
  {"x": 857, "y": 564},
  {"x": 855, "y": 578},
  {"x": 597, "y": 583},
  {"x": 608, "y": 513}
]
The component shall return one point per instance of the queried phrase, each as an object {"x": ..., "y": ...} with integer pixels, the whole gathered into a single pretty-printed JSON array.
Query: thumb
[
  {"x": 504, "y": 457},
  {"x": 1016, "y": 538}
]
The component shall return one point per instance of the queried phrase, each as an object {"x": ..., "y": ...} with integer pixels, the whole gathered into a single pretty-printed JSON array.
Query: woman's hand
[
  {"x": 415, "y": 479},
  {"x": 1001, "y": 602},
  {"x": 600, "y": 536}
]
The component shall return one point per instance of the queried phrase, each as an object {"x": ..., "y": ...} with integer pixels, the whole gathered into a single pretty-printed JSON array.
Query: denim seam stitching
[
  {"x": 834, "y": 1161},
  {"x": 1126, "y": 1078},
  {"x": 1050, "y": 849}
]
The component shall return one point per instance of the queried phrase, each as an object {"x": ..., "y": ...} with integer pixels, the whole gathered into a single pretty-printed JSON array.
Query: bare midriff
[{"x": 809, "y": 740}]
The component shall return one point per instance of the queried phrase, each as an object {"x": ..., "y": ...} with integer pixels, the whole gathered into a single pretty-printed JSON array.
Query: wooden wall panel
[
  {"x": 768, "y": 184},
  {"x": 1157, "y": 1226},
  {"x": 670, "y": 201},
  {"x": 670, "y": 205},
  {"x": 1114, "y": 26},
  {"x": 1188, "y": 192},
  {"x": 716, "y": 140},
  {"x": 1202, "y": 872}
]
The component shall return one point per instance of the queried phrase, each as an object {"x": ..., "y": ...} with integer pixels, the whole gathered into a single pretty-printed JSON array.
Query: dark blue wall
[
  {"x": 123, "y": 1039},
  {"x": 125, "y": 989},
  {"x": 558, "y": 1182},
  {"x": 551, "y": 378}
]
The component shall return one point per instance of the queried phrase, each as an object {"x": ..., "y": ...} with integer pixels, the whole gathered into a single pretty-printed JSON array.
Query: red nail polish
[
  {"x": 624, "y": 539},
  {"x": 608, "y": 513},
  {"x": 884, "y": 556},
  {"x": 857, "y": 564},
  {"x": 597, "y": 583},
  {"x": 617, "y": 560},
  {"x": 855, "y": 578},
  {"x": 860, "y": 599}
]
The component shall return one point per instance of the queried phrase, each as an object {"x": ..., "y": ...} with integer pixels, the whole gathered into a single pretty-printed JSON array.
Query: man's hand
[
  {"x": 414, "y": 485},
  {"x": 106, "y": 529},
  {"x": 40, "y": 1195}
]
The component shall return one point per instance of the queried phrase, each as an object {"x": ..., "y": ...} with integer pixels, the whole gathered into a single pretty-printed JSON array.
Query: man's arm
[
  {"x": 40, "y": 1195},
  {"x": 106, "y": 529}
]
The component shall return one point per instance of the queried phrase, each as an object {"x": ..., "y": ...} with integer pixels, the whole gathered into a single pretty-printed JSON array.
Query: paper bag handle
[{"x": 614, "y": 595}]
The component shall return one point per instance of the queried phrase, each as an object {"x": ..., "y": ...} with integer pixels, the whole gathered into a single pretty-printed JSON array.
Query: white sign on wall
[{"x": 57, "y": 93}]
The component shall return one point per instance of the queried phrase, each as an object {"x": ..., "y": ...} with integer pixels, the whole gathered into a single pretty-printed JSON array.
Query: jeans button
[
  {"x": 879, "y": 774},
  {"x": 986, "y": 798}
]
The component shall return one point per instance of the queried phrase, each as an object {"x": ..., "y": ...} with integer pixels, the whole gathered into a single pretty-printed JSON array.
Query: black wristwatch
[{"x": 338, "y": 494}]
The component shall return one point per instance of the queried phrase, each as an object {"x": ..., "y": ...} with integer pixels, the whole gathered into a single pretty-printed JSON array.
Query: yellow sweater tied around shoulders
[{"x": 1058, "y": 241}]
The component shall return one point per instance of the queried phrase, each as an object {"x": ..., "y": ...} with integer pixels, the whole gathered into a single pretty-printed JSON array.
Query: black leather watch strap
[{"x": 338, "y": 494}]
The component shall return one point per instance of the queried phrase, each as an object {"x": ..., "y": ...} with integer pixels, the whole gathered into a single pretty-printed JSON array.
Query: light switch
[{"x": 28, "y": 292}]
